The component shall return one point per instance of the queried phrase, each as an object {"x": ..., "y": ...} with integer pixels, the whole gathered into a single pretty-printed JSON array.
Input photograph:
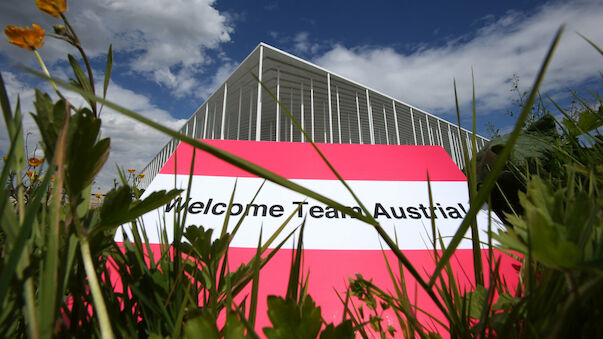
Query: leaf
[
  {"x": 49, "y": 119},
  {"x": 6, "y": 110},
  {"x": 82, "y": 80},
  {"x": 505, "y": 302},
  {"x": 201, "y": 326},
  {"x": 551, "y": 241},
  {"x": 108, "y": 69},
  {"x": 549, "y": 245},
  {"x": 509, "y": 239},
  {"x": 119, "y": 209},
  {"x": 85, "y": 154},
  {"x": 527, "y": 147},
  {"x": 200, "y": 240},
  {"x": 477, "y": 300},
  {"x": 234, "y": 328},
  {"x": 292, "y": 320},
  {"x": 587, "y": 121},
  {"x": 153, "y": 201},
  {"x": 343, "y": 330}
]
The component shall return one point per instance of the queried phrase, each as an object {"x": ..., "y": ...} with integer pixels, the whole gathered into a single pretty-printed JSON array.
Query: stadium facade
[{"x": 331, "y": 108}]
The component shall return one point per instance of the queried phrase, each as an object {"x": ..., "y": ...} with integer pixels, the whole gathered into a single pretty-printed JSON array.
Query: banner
[{"x": 390, "y": 181}]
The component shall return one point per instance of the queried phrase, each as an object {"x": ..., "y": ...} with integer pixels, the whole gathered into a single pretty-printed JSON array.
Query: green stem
[
  {"x": 29, "y": 303},
  {"x": 29, "y": 296},
  {"x": 95, "y": 290},
  {"x": 39, "y": 58},
  {"x": 97, "y": 297}
]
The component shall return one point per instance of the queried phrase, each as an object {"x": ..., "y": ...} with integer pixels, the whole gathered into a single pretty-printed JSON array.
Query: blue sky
[{"x": 171, "y": 55}]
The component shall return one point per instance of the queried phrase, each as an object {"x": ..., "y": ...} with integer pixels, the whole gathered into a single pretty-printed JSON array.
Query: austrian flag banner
[{"x": 390, "y": 181}]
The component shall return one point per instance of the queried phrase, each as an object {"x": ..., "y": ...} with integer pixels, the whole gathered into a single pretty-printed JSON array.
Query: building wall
[{"x": 330, "y": 108}]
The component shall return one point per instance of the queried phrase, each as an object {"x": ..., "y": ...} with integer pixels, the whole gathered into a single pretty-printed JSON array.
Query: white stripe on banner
[{"x": 402, "y": 208}]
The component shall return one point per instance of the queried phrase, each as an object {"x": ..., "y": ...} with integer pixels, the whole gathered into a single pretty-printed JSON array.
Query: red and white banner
[{"x": 391, "y": 181}]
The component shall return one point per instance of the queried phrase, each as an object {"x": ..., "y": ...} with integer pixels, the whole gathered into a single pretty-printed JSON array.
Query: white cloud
[
  {"x": 300, "y": 43},
  {"x": 303, "y": 45},
  {"x": 271, "y": 6},
  {"x": 168, "y": 38},
  {"x": 133, "y": 144},
  {"x": 513, "y": 44},
  {"x": 167, "y": 42}
]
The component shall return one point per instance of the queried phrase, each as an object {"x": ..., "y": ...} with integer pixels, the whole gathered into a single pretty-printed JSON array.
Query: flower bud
[{"x": 60, "y": 29}]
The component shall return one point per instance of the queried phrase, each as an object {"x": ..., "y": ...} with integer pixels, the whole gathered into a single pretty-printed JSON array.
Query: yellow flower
[
  {"x": 52, "y": 7},
  {"x": 25, "y": 37},
  {"x": 131, "y": 170},
  {"x": 98, "y": 195},
  {"x": 4, "y": 158},
  {"x": 35, "y": 162},
  {"x": 141, "y": 175},
  {"x": 30, "y": 174}
]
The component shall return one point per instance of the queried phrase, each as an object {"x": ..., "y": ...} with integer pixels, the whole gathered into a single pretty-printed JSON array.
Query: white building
[{"x": 331, "y": 108}]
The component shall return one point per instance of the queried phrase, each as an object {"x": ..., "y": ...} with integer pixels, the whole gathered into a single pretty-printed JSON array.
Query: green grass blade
[
  {"x": 280, "y": 229},
  {"x": 108, "y": 70},
  {"x": 591, "y": 43},
  {"x": 294, "y": 273},
  {"x": 228, "y": 211},
  {"x": 122, "y": 175},
  {"x": 460, "y": 135},
  {"x": 180, "y": 217},
  {"x": 253, "y": 304},
  {"x": 181, "y": 312},
  {"x": 240, "y": 222},
  {"x": 472, "y": 180},
  {"x": 238, "y": 287},
  {"x": 470, "y": 168},
  {"x": 432, "y": 219},
  {"x": 497, "y": 168},
  {"x": 250, "y": 328}
]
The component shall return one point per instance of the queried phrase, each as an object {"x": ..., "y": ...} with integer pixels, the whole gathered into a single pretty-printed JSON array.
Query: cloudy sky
[{"x": 171, "y": 54}]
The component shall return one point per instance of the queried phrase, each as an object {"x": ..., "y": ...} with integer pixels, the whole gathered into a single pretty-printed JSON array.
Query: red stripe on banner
[
  {"x": 301, "y": 161},
  {"x": 329, "y": 271}
]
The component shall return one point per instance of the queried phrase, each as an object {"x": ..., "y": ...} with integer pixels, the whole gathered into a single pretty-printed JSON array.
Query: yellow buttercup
[
  {"x": 27, "y": 38},
  {"x": 52, "y": 7}
]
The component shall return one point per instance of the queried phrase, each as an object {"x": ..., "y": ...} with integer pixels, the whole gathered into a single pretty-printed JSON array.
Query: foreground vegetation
[{"x": 544, "y": 179}]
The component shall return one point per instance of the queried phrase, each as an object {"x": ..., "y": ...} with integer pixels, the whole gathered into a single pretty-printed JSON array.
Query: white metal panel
[{"x": 258, "y": 122}]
